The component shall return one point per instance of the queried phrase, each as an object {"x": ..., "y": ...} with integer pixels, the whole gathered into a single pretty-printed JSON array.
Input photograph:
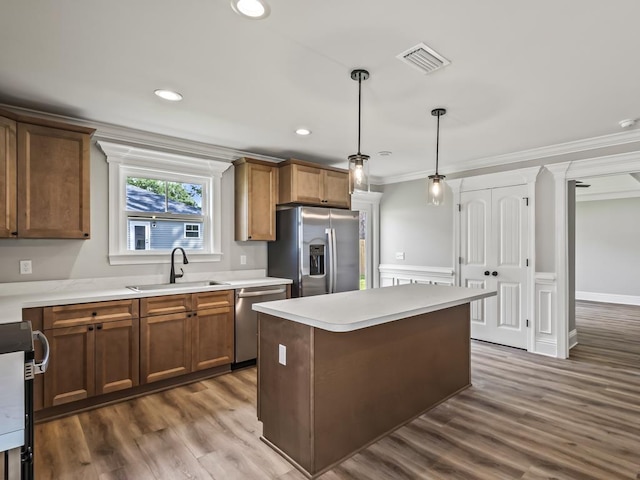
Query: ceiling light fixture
[
  {"x": 629, "y": 122},
  {"x": 435, "y": 184},
  {"x": 253, "y": 9},
  {"x": 303, "y": 132},
  {"x": 359, "y": 163},
  {"x": 168, "y": 95}
]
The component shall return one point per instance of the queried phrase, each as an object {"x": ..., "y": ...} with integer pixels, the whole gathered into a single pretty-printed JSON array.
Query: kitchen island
[{"x": 337, "y": 372}]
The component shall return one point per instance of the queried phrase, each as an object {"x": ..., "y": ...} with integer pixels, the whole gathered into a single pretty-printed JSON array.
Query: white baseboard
[
  {"x": 608, "y": 298},
  {"x": 573, "y": 338}
]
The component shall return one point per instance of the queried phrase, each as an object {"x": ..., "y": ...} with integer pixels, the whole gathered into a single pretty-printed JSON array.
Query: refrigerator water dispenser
[{"x": 316, "y": 259}]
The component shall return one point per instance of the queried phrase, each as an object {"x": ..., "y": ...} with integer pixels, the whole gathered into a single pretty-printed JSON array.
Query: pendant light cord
[
  {"x": 359, "y": 107},
  {"x": 437, "y": 143}
]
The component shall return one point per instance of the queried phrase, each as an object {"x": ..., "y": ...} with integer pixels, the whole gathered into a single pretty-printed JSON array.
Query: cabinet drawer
[
  {"x": 220, "y": 298},
  {"x": 165, "y": 305},
  {"x": 86, "y": 313}
]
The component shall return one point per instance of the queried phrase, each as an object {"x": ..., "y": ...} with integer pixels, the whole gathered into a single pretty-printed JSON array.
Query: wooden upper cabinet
[
  {"x": 44, "y": 181},
  {"x": 311, "y": 184},
  {"x": 8, "y": 179},
  {"x": 256, "y": 195},
  {"x": 53, "y": 182}
]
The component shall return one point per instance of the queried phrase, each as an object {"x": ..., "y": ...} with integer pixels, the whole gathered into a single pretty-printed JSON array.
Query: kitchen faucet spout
[{"x": 173, "y": 275}]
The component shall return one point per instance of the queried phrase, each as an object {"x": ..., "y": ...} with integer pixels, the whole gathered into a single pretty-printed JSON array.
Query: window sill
[{"x": 161, "y": 257}]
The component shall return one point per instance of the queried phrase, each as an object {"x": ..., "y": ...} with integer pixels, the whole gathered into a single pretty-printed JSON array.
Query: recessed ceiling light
[
  {"x": 384, "y": 153},
  {"x": 629, "y": 122},
  {"x": 303, "y": 131},
  {"x": 168, "y": 95},
  {"x": 254, "y": 9}
]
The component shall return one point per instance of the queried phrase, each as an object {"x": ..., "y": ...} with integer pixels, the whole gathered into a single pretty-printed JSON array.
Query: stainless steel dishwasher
[{"x": 247, "y": 320}]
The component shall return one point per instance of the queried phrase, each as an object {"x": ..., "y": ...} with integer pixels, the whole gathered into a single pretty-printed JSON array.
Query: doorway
[{"x": 368, "y": 204}]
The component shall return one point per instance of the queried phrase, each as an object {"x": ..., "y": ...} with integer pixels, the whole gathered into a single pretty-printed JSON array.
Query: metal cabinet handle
[
  {"x": 494, "y": 273},
  {"x": 42, "y": 366}
]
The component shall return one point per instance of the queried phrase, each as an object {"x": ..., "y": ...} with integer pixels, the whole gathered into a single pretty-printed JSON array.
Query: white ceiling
[{"x": 523, "y": 74}]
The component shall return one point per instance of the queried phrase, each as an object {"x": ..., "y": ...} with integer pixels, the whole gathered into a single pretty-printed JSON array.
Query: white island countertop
[{"x": 349, "y": 311}]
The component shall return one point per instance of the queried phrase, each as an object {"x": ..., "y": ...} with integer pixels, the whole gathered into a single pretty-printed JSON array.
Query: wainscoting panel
[
  {"x": 546, "y": 326},
  {"x": 391, "y": 275}
]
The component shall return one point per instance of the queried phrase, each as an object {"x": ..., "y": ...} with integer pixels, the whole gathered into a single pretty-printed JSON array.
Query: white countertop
[
  {"x": 11, "y": 305},
  {"x": 348, "y": 311}
]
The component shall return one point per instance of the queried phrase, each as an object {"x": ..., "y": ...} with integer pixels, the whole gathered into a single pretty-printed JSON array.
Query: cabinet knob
[
  {"x": 486, "y": 272},
  {"x": 86, "y": 234},
  {"x": 90, "y": 328},
  {"x": 15, "y": 234},
  {"x": 249, "y": 237},
  {"x": 195, "y": 314},
  {"x": 99, "y": 327},
  {"x": 494, "y": 273},
  {"x": 93, "y": 314}
]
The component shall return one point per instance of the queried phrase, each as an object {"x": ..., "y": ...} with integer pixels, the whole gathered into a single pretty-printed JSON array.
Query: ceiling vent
[{"x": 423, "y": 58}]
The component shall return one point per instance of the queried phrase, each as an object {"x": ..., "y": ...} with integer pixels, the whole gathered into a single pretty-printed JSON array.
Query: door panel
[
  {"x": 494, "y": 246},
  {"x": 345, "y": 224},
  {"x": 117, "y": 355},
  {"x": 314, "y": 225}
]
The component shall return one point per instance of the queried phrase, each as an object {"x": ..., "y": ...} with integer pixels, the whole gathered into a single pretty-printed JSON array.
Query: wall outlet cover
[
  {"x": 282, "y": 354},
  {"x": 25, "y": 267}
]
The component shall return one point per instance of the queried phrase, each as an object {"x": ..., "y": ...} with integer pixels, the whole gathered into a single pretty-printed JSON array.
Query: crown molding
[
  {"x": 540, "y": 153},
  {"x": 131, "y": 136},
  {"x": 590, "y": 197}
]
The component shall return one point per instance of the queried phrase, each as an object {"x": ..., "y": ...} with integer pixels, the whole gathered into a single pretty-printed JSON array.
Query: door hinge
[
  {"x": 527, "y": 323},
  {"x": 459, "y": 207},
  {"x": 527, "y": 262},
  {"x": 460, "y": 260},
  {"x": 526, "y": 199}
]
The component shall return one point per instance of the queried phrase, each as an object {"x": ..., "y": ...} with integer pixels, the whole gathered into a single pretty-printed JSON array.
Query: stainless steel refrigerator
[{"x": 317, "y": 248}]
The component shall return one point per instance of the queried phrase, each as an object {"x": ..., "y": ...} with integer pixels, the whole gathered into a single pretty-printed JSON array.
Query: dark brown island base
[{"x": 337, "y": 372}]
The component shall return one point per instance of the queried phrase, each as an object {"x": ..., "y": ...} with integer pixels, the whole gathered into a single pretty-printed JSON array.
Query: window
[
  {"x": 160, "y": 201},
  {"x": 192, "y": 230}
]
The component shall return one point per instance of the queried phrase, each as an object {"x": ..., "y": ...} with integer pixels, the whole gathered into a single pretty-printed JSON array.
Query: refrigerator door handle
[
  {"x": 334, "y": 261},
  {"x": 329, "y": 262}
]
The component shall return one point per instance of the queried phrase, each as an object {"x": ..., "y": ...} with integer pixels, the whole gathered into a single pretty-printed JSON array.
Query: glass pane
[
  {"x": 146, "y": 195},
  {"x": 184, "y": 198},
  {"x": 363, "y": 250},
  {"x": 164, "y": 234}
]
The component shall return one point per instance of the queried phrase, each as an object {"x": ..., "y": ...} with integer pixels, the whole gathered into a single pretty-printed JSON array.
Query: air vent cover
[{"x": 423, "y": 58}]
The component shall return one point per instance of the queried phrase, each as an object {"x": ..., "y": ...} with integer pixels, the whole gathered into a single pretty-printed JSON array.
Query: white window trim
[
  {"x": 147, "y": 234},
  {"x": 125, "y": 160}
]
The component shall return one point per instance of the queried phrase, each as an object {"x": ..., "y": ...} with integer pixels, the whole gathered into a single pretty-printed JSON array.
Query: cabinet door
[
  {"x": 262, "y": 196},
  {"x": 53, "y": 182},
  {"x": 215, "y": 299},
  {"x": 336, "y": 189},
  {"x": 300, "y": 184},
  {"x": 212, "y": 338},
  {"x": 165, "y": 347},
  {"x": 117, "y": 355},
  {"x": 165, "y": 305},
  {"x": 8, "y": 178},
  {"x": 71, "y": 372}
]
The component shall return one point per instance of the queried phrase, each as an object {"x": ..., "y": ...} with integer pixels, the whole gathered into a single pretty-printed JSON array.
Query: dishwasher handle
[{"x": 261, "y": 293}]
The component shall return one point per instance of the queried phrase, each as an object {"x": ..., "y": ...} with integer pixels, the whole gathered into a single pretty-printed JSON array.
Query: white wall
[
  {"x": 409, "y": 225},
  {"x": 608, "y": 246},
  {"x": 73, "y": 259}
]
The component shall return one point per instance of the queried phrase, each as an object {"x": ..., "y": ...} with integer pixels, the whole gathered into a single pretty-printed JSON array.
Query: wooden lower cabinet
[
  {"x": 71, "y": 372},
  {"x": 212, "y": 338},
  {"x": 165, "y": 346},
  {"x": 117, "y": 356}
]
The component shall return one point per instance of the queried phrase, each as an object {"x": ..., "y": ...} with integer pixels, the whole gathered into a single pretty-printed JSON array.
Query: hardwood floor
[{"x": 526, "y": 417}]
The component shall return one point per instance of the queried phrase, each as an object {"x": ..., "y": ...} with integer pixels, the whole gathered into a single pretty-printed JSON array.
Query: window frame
[{"x": 127, "y": 161}]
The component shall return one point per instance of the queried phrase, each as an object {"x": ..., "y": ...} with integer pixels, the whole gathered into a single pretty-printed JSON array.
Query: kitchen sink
[{"x": 173, "y": 286}]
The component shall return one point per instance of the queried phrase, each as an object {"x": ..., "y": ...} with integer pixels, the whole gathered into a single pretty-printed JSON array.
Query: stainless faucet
[{"x": 173, "y": 275}]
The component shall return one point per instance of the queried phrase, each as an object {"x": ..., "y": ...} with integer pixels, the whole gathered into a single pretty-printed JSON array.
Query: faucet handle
[{"x": 181, "y": 274}]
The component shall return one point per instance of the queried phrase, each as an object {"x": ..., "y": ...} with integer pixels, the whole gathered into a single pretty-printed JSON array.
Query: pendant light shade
[
  {"x": 358, "y": 162},
  {"x": 435, "y": 184}
]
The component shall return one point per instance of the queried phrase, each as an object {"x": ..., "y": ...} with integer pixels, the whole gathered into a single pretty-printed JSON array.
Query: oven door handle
[{"x": 42, "y": 366}]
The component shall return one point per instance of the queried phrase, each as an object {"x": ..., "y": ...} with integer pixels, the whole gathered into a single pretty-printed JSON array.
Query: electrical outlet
[
  {"x": 282, "y": 354},
  {"x": 243, "y": 259},
  {"x": 399, "y": 255},
  {"x": 25, "y": 267}
]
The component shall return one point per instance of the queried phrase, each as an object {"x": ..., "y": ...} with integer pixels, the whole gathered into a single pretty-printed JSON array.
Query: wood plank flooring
[{"x": 526, "y": 417}]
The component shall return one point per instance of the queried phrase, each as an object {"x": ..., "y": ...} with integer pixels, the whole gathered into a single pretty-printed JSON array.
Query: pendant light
[
  {"x": 435, "y": 184},
  {"x": 359, "y": 163}
]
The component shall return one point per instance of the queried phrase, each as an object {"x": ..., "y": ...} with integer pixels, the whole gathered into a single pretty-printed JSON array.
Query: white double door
[{"x": 494, "y": 250}]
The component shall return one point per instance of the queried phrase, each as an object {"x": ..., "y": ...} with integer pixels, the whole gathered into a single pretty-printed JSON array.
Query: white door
[{"x": 494, "y": 250}]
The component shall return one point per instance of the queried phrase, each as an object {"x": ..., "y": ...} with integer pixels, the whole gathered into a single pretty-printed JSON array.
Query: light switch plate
[
  {"x": 243, "y": 259},
  {"x": 282, "y": 354}
]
